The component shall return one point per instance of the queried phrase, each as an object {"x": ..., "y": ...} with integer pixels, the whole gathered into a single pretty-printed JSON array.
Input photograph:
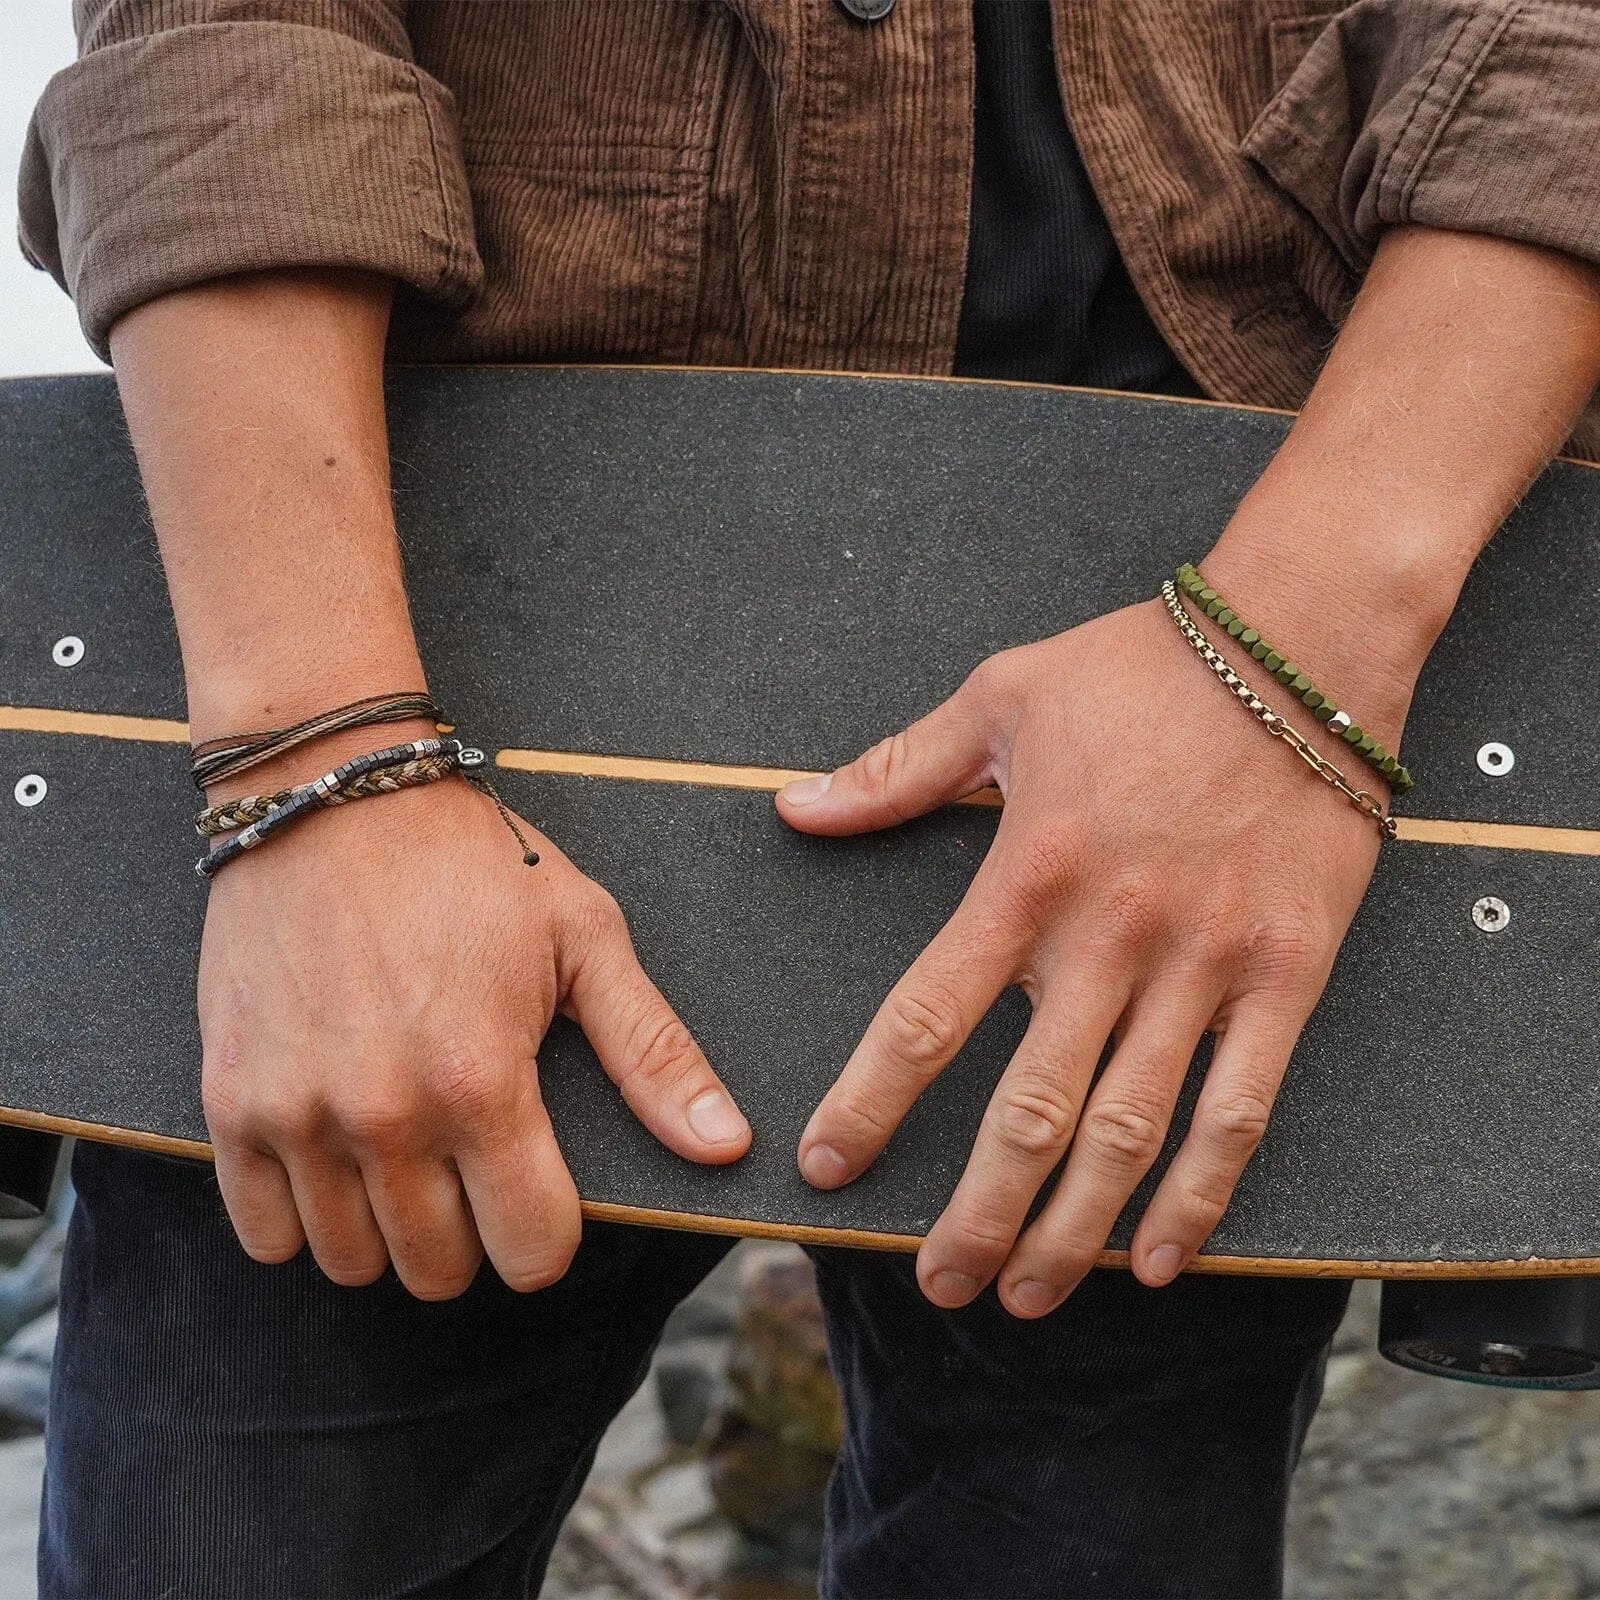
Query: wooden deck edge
[{"x": 862, "y": 1239}]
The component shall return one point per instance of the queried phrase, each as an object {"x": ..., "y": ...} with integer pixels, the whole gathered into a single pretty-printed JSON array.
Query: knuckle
[
  {"x": 1282, "y": 949},
  {"x": 856, "y": 1117},
  {"x": 1122, "y": 1133},
  {"x": 286, "y": 1117},
  {"x": 1238, "y": 1122},
  {"x": 1044, "y": 868},
  {"x": 463, "y": 1086},
  {"x": 1034, "y": 1120},
  {"x": 923, "y": 1026},
  {"x": 991, "y": 680},
  {"x": 379, "y": 1124},
  {"x": 546, "y": 1265},
  {"x": 880, "y": 770},
  {"x": 599, "y": 917},
  {"x": 1134, "y": 912},
  {"x": 660, "y": 1049}
]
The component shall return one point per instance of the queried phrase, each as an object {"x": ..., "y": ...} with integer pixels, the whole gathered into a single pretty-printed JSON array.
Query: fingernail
[
  {"x": 804, "y": 790},
  {"x": 949, "y": 1285},
  {"x": 716, "y": 1119},
  {"x": 1034, "y": 1297},
  {"x": 1163, "y": 1262},
  {"x": 823, "y": 1166}
]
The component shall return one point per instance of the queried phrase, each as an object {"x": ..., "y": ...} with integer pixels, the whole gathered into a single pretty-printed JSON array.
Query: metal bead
[{"x": 1339, "y": 721}]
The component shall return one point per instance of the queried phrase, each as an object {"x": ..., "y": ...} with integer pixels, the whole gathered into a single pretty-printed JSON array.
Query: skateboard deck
[{"x": 661, "y": 593}]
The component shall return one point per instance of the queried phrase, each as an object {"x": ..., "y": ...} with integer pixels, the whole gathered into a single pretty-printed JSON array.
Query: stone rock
[
  {"x": 1432, "y": 1489},
  {"x": 772, "y": 1446}
]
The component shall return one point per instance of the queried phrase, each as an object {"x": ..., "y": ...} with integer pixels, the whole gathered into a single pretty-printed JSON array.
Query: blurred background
[{"x": 710, "y": 1482}]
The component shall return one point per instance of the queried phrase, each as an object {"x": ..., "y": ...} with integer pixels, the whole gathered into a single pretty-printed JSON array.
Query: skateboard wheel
[
  {"x": 30, "y": 789},
  {"x": 1518, "y": 1333},
  {"x": 67, "y": 651},
  {"x": 1495, "y": 760}
]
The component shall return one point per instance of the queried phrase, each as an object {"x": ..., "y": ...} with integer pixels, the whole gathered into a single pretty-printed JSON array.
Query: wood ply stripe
[
  {"x": 97, "y": 724},
  {"x": 708, "y": 774},
  {"x": 855, "y": 1238}
]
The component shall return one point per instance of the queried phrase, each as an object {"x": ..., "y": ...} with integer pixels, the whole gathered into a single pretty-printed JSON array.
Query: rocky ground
[{"x": 707, "y": 1486}]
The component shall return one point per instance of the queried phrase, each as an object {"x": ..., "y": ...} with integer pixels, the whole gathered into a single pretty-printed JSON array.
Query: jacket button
[{"x": 866, "y": 10}]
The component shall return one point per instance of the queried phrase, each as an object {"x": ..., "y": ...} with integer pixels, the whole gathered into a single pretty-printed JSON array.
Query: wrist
[{"x": 1359, "y": 621}]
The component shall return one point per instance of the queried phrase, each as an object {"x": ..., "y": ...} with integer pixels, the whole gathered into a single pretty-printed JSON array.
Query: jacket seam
[
  {"x": 454, "y": 254},
  {"x": 1411, "y": 174}
]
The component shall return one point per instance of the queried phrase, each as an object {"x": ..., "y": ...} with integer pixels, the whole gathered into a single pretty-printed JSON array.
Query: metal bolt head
[
  {"x": 1491, "y": 913},
  {"x": 1495, "y": 760},
  {"x": 30, "y": 789},
  {"x": 67, "y": 651}
]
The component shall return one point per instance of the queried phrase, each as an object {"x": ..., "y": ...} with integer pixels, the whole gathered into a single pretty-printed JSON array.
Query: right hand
[{"x": 373, "y": 988}]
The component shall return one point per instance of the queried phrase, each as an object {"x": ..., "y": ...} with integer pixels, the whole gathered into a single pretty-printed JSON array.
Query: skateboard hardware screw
[
  {"x": 68, "y": 651},
  {"x": 1491, "y": 913},
  {"x": 1496, "y": 760},
  {"x": 30, "y": 790}
]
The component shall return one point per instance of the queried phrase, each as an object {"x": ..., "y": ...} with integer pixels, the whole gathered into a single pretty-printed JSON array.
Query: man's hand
[
  {"x": 374, "y": 985},
  {"x": 373, "y": 989},
  {"x": 1163, "y": 868}
]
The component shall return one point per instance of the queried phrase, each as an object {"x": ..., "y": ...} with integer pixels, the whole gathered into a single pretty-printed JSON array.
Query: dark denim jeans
[{"x": 218, "y": 1428}]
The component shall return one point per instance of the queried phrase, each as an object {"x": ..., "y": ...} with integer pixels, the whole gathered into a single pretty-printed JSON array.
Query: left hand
[{"x": 1162, "y": 869}]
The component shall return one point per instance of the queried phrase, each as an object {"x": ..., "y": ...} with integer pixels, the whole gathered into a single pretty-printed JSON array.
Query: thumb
[
  {"x": 649, "y": 1054},
  {"x": 938, "y": 759}
]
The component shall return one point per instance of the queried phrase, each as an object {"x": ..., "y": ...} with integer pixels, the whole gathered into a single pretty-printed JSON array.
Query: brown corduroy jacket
[{"x": 775, "y": 183}]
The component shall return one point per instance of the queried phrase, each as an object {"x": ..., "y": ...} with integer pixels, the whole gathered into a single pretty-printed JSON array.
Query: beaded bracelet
[
  {"x": 1190, "y": 581},
  {"x": 309, "y": 797}
]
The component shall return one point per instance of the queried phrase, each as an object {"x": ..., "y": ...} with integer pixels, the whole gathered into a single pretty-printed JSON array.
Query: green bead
[
  {"x": 1251, "y": 638},
  {"x": 1314, "y": 698},
  {"x": 1272, "y": 661},
  {"x": 1299, "y": 683},
  {"x": 1352, "y": 734},
  {"x": 1260, "y": 650},
  {"x": 1323, "y": 713},
  {"x": 1224, "y": 616},
  {"x": 1214, "y": 608},
  {"x": 1284, "y": 674},
  {"x": 1366, "y": 744},
  {"x": 1208, "y": 595},
  {"x": 1193, "y": 584},
  {"x": 1387, "y": 766},
  {"x": 1235, "y": 628},
  {"x": 1402, "y": 781}
]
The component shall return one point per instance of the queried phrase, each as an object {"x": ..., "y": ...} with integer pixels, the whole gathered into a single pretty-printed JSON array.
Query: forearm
[
  {"x": 1458, "y": 374},
  {"x": 256, "y": 409}
]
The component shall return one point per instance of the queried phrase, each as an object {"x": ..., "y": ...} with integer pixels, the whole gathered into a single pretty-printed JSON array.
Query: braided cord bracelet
[
  {"x": 385, "y": 780},
  {"x": 1268, "y": 718},
  {"x": 1189, "y": 579}
]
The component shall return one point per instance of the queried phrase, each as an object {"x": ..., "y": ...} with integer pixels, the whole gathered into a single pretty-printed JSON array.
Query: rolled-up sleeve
[
  {"x": 196, "y": 139},
  {"x": 1476, "y": 115}
]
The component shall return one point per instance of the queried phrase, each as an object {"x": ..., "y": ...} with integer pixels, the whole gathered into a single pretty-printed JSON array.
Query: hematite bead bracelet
[{"x": 1189, "y": 580}]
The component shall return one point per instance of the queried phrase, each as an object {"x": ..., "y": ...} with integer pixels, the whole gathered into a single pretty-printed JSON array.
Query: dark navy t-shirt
[{"x": 1047, "y": 297}]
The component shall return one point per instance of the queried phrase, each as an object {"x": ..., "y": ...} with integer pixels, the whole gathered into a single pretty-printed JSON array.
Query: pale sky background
[{"x": 38, "y": 327}]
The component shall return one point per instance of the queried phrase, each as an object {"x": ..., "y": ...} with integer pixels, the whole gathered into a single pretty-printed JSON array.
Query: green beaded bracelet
[{"x": 1196, "y": 588}]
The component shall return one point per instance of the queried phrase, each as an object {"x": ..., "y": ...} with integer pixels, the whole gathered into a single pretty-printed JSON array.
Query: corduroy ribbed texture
[{"x": 770, "y": 182}]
